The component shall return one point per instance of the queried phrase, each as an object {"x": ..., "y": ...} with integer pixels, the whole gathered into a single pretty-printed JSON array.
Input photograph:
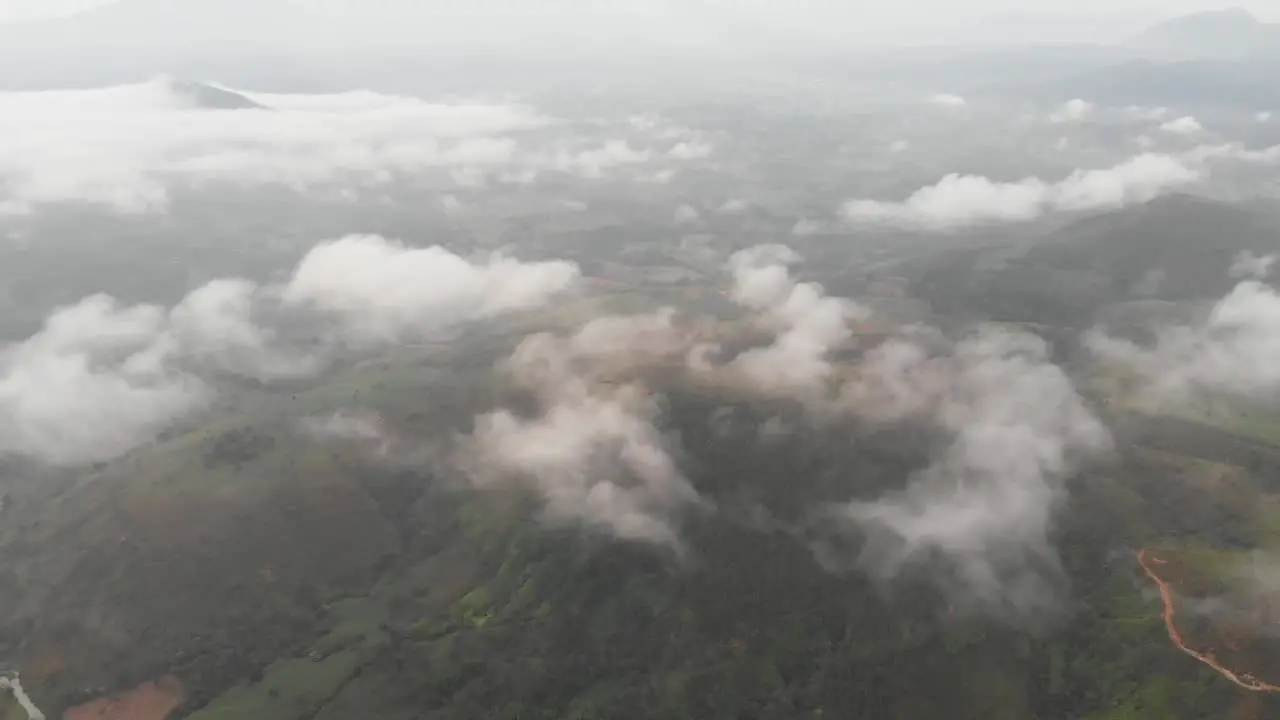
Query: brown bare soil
[{"x": 151, "y": 701}]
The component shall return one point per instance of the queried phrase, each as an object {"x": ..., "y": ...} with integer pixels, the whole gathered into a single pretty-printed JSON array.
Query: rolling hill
[{"x": 1175, "y": 248}]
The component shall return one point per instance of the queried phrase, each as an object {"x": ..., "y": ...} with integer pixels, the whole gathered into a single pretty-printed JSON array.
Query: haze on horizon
[{"x": 869, "y": 24}]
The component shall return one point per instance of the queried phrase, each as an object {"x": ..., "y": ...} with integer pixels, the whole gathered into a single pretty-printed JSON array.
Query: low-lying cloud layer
[
  {"x": 979, "y": 518},
  {"x": 807, "y": 322},
  {"x": 1232, "y": 350},
  {"x": 958, "y": 201},
  {"x": 593, "y": 454},
  {"x": 88, "y": 385},
  {"x": 986, "y": 506},
  {"x": 101, "y": 378},
  {"x": 127, "y": 147}
]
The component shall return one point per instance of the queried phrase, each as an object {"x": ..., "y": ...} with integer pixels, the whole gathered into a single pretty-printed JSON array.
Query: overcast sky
[{"x": 873, "y": 21}]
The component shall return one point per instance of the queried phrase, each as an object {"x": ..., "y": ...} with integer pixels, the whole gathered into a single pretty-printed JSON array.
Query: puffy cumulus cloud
[
  {"x": 123, "y": 146},
  {"x": 594, "y": 460},
  {"x": 899, "y": 379},
  {"x": 215, "y": 328},
  {"x": 85, "y": 387},
  {"x": 947, "y": 100},
  {"x": 100, "y": 379},
  {"x": 382, "y": 290},
  {"x": 1134, "y": 181},
  {"x": 604, "y": 348},
  {"x": 1230, "y": 351},
  {"x": 808, "y": 323},
  {"x": 1263, "y": 116},
  {"x": 980, "y": 517},
  {"x": 1073, "y": 110},
  {"x": 593, "y": 455},
  {"x": 958, "y": 201},
  {"x": 760, "y": 276},
  {"x": 1185, "y": 125}
]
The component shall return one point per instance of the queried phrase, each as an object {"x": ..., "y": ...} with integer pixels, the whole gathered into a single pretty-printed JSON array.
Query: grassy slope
[{"x": 500, "y": 619}]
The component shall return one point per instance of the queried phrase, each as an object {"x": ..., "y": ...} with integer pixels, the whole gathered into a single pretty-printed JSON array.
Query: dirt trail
[{"x": 1244, "y": 680}]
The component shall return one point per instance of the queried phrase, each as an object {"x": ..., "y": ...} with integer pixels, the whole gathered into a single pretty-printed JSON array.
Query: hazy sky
[{"x": 877, "y": 21}]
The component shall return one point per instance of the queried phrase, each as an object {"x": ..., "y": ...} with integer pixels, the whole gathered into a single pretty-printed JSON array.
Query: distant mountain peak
[
  {"x": 1230, "y": 31},
  {"x": 1226, "y": 16},
  {"x": 208, "y": 97}
]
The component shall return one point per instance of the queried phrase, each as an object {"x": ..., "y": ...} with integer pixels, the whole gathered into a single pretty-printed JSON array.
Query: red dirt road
[{"x": 1244, "y": 680}]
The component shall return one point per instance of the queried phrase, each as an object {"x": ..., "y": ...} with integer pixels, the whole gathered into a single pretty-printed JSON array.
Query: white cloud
[
  {"x": 963, "y": 200},
  {"x": 597, "y": 461},
  {"x": 593, "y": 454},
  {"x": 1231, "y": 351},
  {"x": 128, "y": 147},
  {"x": 733, "y": 206},
  {"x": 1185, "y": 125},
  {"x": 77, "y": 391},
  {"x": 595, "y": 161},
  {"x": 382, "y": 290},
  {"x": 808, "y": 324},
  {"x": 978, "y": 520},
  {"x": 1250, "y": 266},
  {"x": 214, "y": 328},
  {"x": 986, "y": 506},
  {"x": 1073, "y": 110},
  {"x": 947, "y": 100},
  {"x": 1262, "y": 117},
  {"x": 100, "y": 379},
  {"x": 346, "y": 425},
  {"x": 123, "y": 146},
  {"x": 685, "y": 214},
  {"x": 1235, "y": 151},
  {"x": 805, "y": 227},
  {"x": 1138, "y": 113},
  {"x": 692, "y": 150}
]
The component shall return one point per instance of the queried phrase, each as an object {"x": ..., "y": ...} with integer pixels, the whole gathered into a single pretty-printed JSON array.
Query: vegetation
[{"x": 312, "y": 583}]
